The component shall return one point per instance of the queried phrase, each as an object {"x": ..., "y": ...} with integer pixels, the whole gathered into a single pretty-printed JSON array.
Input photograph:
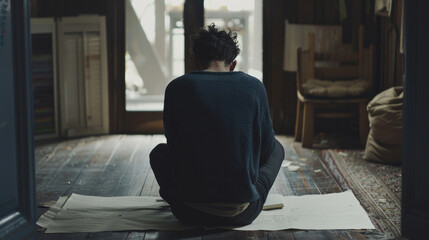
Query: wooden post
[
  {"x": 115, "y": 23},
  {"x": 363, "y": 123},
  {"x": 371, "y": 68},
  {"x": 308, "y": 125},
  {"x": 193, "y": 16},
  {"x": 274, "y": 76},
  {"x": 311, "y": 50},
  {"x": 360, "y": 48},
  {"x": 298, "y": 122}
]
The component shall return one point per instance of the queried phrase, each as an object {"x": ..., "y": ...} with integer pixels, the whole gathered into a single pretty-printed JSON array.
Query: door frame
[
  {"x": 122, "y": 121},
  {"x": 20, "y": 224},
  {"x": 415, "y": 211}
]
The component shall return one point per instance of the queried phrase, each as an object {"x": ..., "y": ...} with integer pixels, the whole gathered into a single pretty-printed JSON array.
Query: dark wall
[
  {"x": 17, "y": 191},
  {"x": 415, "y": 177},
  {"x": 279, "y": 98},
  {"x": 390, "y": 60}
]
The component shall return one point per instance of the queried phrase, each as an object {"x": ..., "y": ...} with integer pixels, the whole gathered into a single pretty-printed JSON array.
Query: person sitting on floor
[{"x": 221, "y": 157}]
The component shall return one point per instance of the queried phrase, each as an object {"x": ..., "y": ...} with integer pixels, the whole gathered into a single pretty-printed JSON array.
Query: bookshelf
[
  {"x": 73, "y": 101},
  {"x": 43, "y": 42}
]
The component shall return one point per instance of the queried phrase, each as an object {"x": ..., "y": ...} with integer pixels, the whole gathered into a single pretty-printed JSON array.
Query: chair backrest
[{"x": 344, "y": 64}]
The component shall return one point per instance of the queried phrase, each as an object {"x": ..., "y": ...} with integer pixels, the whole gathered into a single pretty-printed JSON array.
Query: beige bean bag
[{"x": 384, "y": 142}]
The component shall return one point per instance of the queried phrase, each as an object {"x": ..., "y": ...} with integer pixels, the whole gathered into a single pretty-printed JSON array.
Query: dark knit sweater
[{"x": 218, "y": 129}]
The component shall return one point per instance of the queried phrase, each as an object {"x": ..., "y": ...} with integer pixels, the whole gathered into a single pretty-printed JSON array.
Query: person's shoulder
[
  {"x": 249, "y": 78},
  {"x": 179, "y": 81},
  {"x": 252, "y": 81},
  {"x": 257, "y": 86},
  {"x": 246, "y": 76}
]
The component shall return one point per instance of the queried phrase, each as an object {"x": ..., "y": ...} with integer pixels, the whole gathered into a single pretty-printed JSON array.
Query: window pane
[
  {"x": 154, "y": 51},
  {"x": 245, "y": 18}
]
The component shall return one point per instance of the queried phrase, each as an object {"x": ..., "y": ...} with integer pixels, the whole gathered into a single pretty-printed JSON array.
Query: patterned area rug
[{"x": 377, "y": 186}]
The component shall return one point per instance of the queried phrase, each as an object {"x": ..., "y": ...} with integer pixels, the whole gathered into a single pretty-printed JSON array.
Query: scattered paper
[
  {"x": 343, "y": 154},
  {"x": 286, "y": 163},
  {"x": 47, "y": 204},
  {"x": 328, "y": 211},
  {"x": 79, "y": 213},
  {"x": 317, "y": 170},
  {"x": 293, "y": 168}
]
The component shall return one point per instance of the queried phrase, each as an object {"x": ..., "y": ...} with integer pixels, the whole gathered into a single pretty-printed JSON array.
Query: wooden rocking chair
[{"x": 333, "y": 81}]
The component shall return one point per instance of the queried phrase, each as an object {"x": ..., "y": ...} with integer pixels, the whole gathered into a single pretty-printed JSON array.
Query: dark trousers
[{"x": 162, "y": 169}]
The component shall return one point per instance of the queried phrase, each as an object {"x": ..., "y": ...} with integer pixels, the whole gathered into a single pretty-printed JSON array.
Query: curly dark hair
[{"x": 212, "y": 44}]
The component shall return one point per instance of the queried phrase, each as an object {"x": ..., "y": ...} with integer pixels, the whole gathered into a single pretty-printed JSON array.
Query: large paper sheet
[
  {"x": 315, "y": 212},
  {"x": 79, "y": 213}
]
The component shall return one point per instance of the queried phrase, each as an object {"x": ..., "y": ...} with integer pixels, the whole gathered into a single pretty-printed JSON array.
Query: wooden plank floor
[{"x": 118, "y": 165}]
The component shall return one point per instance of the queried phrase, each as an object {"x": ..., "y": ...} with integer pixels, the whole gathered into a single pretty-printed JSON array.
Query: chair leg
[
  {"x": 308, "y": 125},
  {"x": 363, "y": 123},
  {"x": 298, "y": 121}
]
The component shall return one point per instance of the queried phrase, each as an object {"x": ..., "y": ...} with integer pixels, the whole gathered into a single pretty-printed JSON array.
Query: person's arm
[
  {"x": 169, "y": 114},
  {"x": 265, "y": 125}
]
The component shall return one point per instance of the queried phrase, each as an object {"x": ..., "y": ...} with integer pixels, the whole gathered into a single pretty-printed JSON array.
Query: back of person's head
[{"x": 212, "y": 44}]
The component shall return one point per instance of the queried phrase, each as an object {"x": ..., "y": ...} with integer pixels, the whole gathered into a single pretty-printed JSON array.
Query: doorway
[{"x": 155, "y": 51}]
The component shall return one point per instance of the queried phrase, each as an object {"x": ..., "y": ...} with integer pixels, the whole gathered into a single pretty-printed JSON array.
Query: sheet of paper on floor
[
  {"x": 315, "y": 212},
  {"x": 79, "y": 213}
]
